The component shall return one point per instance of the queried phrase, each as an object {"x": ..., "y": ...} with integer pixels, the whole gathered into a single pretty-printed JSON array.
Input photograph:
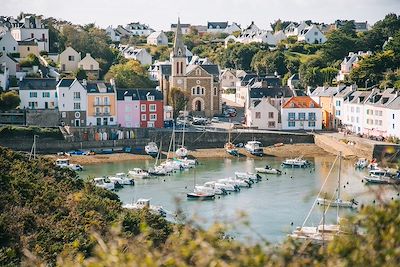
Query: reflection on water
[{"x": 270, "y": 205}]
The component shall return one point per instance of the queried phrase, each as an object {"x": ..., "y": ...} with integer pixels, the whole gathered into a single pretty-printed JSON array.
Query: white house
[
  {"x": 301, "y": 113},
  {"x": 338, "y": 103},
  {"x": 185, "y": 28},
  {"x": 353, "y": 111},
  {"x": 157, "y": 38},
  {"x": 114, "y": 36},
  {"x": 349, "y": 62},
  {"x": 7, "y": 43},
  {"x": 262, "y": 114},
  {"x": 234, "y": 27},
  {"x": 155, "y": 69},
  {"x": 393, "y": 118},
  {"x": 377, "y": 114},
  {"x": 139, "y": 29},
  {"x": 11, "y": 63},
  {"x": 72, "y": 102},
  {"x": 294, "y": 30},
  {"x": 311, "y": 35},
  {"x": 31, "y": 27},
  {"x": 279, "y": 36},
  {"x": 38, "y": 93},
  {"x": 90, "y": 66},
  {"x": 69, "y": 60},
  {"x": 139, "y": 54},
  {"x": 216, "y": 27}
]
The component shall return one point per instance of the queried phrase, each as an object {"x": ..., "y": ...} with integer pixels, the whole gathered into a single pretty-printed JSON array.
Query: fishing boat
[
  {"x": 143, "y": 203},
  {"x": 230, "y": 147},
  {"x": 379, "y": 176},
  {"x": 64, "y": 163},
  {"x": 338, "y": 202},
  {"x": 361, "y": 163},
  {"x": 254, "y": 148},
  {"x": 151, "y": 149},
  {"x": 138, "y": 173},
  {"x": 122, "y": 179},
  {"x": 296, "y": 163},
  {"x": 102, "y": 182},
  {"x": 213, "y": 190},
  {"x": 268, "y": 170}
]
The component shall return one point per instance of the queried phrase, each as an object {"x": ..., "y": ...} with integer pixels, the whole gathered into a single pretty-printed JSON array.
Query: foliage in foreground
[{"x": 46, "y": 210}]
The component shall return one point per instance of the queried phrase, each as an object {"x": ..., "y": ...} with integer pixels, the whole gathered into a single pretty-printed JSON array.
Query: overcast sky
[{"x": 160, "y": 13}]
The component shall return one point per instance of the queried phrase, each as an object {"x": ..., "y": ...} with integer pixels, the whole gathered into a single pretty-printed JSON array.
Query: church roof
[{"x": 179, "y": 47}]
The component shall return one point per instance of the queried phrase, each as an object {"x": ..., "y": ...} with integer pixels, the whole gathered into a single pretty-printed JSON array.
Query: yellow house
[
  {"x": 101, "y": 103},
  {"x": 28, "y": 47}
]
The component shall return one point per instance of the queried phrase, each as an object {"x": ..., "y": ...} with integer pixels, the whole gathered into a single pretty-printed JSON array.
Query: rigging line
[
  {"x": 320, "y": 191},
  {"x": 237, "y": 136},
  {"x": 329, "y": 205}
]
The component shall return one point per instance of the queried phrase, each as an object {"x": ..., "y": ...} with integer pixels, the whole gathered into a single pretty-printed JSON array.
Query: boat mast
[
  {"x": 170, "y": 142},
  {"x": 159, "y": 152},
  {"x": 338, "y": 190},
  {"x": 184, "y": 126}
]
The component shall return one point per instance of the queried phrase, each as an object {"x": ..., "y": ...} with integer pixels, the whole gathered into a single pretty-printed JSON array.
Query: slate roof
[
  {"x": 139, "y": 93},
  {"x": 166, "y": 70},
  {"x": 300, "y": 102},
  {"x": 99, "y": 87},
  {"x": 327, "y": 91},
  {"x": 65, "y": 82},
  {"x": 174, "y": 25},
  {"x": 217, "y": 25},
  {"x": 38, "y": 84},
  {"x": 271, "y": 92},
  {"x": 395, "y": 104},
  {"x": 209, "y": 68},
  {"x": 382, "y": 99},
  {"x": 358, "y": 97}
]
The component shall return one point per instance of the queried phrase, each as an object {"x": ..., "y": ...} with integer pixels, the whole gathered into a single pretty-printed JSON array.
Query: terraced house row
[{"x": 70, "y": 102}]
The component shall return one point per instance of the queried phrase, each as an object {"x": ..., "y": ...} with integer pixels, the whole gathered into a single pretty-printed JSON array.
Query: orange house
[{"x": 101, "y": 103}]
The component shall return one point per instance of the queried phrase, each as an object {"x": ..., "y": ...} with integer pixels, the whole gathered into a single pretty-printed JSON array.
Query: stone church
[{"x": 199, "y": 82}]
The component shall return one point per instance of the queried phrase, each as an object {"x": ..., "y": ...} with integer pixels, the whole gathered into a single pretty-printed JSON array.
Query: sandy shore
[{"x": 306, "y": 150}]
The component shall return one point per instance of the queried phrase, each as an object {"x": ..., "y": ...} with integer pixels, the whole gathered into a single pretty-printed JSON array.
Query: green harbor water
[{"x": 268, "y": 210}]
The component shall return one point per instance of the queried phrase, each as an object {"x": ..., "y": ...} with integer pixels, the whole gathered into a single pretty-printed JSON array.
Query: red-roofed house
[{"x": 301, "y": 113}]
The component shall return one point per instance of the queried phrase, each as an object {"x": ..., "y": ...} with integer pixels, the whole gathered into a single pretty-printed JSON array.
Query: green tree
[
  {"x": 29, "y": 61},
  {"x": 178, "y": 99},
  {"x": 9, "y": 100},
  {"x": 338, "y": 45},
  {"x": 129, "y": 75},
  {"x": 328, "y": 74},
  {"x": 80, "y": 74}
]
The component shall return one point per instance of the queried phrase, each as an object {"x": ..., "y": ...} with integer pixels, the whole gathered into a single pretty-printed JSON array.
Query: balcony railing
[
  {"x": 96, "y": 104},
  {"x": 102, "y": 114}
]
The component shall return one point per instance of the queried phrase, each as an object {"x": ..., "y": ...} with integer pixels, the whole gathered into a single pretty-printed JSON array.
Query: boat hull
[{"x": 200, "y": 196}]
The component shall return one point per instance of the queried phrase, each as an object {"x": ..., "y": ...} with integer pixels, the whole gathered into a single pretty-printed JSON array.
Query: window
[
  {"x": 358, "y": 109},
  {"x": 105, "y": 121},
  {"x": 98, "y": 111},
  {"x": 302, "y": 116},
  {"x": 291, "y": 123},
  {"x": 77, "y": 95},
  {"x": 4, "y": 48},
  {"x": 71, "y": 58},
  {"x": 292, "y": 116},
  {"x": 28, "y": 48},
  {"x": 311, "y": 116},
  {"x": 33, "y": 105},
  {"x": 150, "y": 97},
  {"x": 215, "y": 91},
  {"x": 152, "y": 107},
  {"x": 106, "y": 100},
  {"x": 357, "y": 120},
  {"x": 143, "y": 107},
  {"x": 270, "y": 115},
  {"x": 380, "y": 113},
  {"x": 393, "y": 126},
  {"x": 107, "y": 110},
  {"x": 97, "y": 100},
  {"x": 153, "y": 117},
  {"x": 311, "y": 124},
  {"x": 143, "y": 117},
  {"x": 337, "y": 112},
  {"x": 77, "y": 106},
  {"x": 91, "y": 67},
  {"x": 150, "y": 124},
  {"x": 337, "y": 103},
  {"x": 46, "y": 94},
  {"x": 32, "y": 94},
  {"x": 258, "y": 115},
  {"x": 271, "y": 124},
  {"x": 352, "y": 109}
]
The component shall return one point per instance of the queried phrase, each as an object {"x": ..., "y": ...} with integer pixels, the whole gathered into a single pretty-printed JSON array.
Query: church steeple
[{"x": 179, "y": 47}]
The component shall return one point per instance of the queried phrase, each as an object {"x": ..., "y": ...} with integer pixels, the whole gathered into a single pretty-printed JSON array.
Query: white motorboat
[
  {"x": 122, "y": 179},
  {"x": 337, "y": 203},
  {"x": 296, "y": 163},
  {"x": 379, "y": 176},
  {"x": 138, "y": 173},
  {"x": 207, "y": 189},
  {"x": 189, "y": 162},
  {"x": 143, "y": 203},
  {"x": 151, "y": 149},
  {"x": 158, "y": 171},
  {"x": 361, "y": 163},
  {"x": 64, "y": 163},
  {"x": 268, "y": 170},
  {"x": 224, "y": 186},
  {"x": 103, "y": 183},
  {"x": 254, "y": 148},
  {"x": 181, "y": 152},
  {"x": 251, "y": 177},
  {"x": 235, "y": 182}
]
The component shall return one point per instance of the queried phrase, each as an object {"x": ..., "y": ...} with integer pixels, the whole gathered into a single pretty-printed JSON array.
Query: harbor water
[{"x": 269, "y": 210}]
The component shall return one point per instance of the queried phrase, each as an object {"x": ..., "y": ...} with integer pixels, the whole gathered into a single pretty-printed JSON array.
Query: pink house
[{"x": 128, "y": 108}]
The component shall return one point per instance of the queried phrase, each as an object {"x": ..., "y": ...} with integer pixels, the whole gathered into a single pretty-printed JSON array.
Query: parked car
[{"x": 215, "y": 119}]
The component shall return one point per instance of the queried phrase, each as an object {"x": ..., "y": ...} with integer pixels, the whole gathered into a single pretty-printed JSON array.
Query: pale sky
[{"x": 159, "y": 14}]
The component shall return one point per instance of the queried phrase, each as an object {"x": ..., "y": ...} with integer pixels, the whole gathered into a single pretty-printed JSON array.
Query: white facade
[
  {"x": 157, "y": 38},
  {"x": 311, "y": 35},
  {"x": 11, "y": 64},
  {"x": 139, "y": 29},
  {"x": 113, "y": 35},
  {"x": 353, "y": 112},
  {"x": 138, "y": 54},
  {"x": 338, "y": 104},
  {"x": 301, "y": 113},
  {"x": 393, "y": 118},
  {"x": 234, "y": 27},
  {"x": 348, "y": 63},
  {"x": 32, "y": 27},
  {"x": 69, "y": 60},
  {"x": 263, "y": 115},
  {"x": 38, "y": 99},
  {"x": 7, "y": 43}
]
